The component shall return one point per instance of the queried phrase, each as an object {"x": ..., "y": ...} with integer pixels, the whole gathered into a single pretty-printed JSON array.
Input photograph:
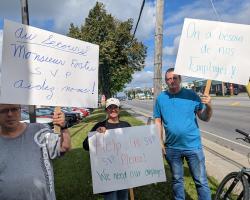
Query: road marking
[
  {"x": 226, "y": 139},
  {"x": 237, "y": 103},
  {"x": 135, "y": 109},
  {"x": 142, "y": 111}
]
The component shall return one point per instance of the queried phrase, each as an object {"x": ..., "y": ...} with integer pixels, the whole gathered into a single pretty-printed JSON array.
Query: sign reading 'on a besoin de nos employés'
[
  {"x": 214, "y": 50},
  {"x": 44, "y": 68},
  {"x": 125, "y": 158}
]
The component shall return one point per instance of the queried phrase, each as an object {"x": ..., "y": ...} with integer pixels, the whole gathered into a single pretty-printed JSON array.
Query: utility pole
[
  {"x": 24, "y": 11},
  {"x": 222, "y": 88},
  {"x": 248, "y": 88},
  {"x": 158, "y": 48},
  {"x": 25, "y": 20}
]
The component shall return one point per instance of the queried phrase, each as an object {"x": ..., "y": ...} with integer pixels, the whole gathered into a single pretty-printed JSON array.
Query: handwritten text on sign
[
  {"x": 214, "y": 50},
  {"x": 125, "y": 158},
  {"x": 45, "y": 68}
]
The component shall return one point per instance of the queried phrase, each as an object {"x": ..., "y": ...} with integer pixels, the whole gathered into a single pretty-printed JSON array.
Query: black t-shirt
[{"x": 107, "y": 125}]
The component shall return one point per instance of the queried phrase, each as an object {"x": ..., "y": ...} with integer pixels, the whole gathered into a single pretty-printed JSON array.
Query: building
[{"x": 218, "y": 87}]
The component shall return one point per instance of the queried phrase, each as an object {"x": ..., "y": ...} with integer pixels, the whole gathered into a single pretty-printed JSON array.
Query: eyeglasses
[
  {"x": 172, "y": 78},
  {"x": 112, "y": 107},
  {"x": 7, "y": 110}
]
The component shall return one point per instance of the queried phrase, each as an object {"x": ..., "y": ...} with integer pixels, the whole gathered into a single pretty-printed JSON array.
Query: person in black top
[{"x": 112, "y": 122}]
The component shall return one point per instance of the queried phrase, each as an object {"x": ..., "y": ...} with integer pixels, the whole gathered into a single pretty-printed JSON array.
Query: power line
[
  {"x": 215, "y": 11},
  {"x": 142, "y": 6}
]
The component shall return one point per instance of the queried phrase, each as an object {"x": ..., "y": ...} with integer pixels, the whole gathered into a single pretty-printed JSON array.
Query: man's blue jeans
[
  {"x": 116, "y": 195},
  {"x": 196, "y": 162}
]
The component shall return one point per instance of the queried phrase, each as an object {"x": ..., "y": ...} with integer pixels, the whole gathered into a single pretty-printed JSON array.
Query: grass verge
[{"x": 73, "y": 174}]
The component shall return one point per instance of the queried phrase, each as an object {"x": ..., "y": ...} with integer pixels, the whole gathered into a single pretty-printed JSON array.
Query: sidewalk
[{"x": 219, "y": 160}]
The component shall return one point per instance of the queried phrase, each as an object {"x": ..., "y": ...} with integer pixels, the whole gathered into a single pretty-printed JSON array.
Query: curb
[{"x": 220, "y": 160}]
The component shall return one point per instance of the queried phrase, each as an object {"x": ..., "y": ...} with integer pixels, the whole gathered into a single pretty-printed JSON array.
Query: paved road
[{"x": 229, "y": 113}]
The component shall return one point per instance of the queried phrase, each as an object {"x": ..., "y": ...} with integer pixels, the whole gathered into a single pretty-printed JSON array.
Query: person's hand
[
  {"x": 164, "y": 152},
  {"x": 101, "y": 129},
  {"x": 59, "y": 119},
  {"x": 163, "y": 148},
  {"x": 206, "y": 99}
]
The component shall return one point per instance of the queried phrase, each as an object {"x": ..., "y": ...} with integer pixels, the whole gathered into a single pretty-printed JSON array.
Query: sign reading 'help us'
[{"x": 125, "y": 158}]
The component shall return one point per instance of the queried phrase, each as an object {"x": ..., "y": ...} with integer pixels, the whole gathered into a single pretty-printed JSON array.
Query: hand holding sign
[
  {"x": 57, "y": 123},
  {"x": 125, "y": 158},
  {"x": 208, "y": 86}
]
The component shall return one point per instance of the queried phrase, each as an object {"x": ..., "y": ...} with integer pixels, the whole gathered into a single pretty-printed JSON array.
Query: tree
[{"x": 120, "y": 54}]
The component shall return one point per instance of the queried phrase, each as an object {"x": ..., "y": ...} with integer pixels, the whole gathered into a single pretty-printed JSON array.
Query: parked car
[
  {"x": 235, "y": 91},
  {"x": 69, "y": 111},
  {"x": 85, "y": 112},
  {"x": 43, "y": 119},
  {"x": 149, "y": 96},
  {"x": 70, "y": 118},
  {"x": 122, "y": 98}
]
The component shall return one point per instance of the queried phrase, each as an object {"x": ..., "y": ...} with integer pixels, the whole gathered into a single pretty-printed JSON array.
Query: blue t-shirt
[{"x": 178, "y": 114}]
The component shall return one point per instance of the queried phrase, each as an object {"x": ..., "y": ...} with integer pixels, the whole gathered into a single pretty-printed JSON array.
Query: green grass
[{"x": 73, "y": 174}]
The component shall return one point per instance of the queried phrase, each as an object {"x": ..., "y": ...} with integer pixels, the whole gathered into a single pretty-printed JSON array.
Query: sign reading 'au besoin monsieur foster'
[{"x": 44, "y": 68}]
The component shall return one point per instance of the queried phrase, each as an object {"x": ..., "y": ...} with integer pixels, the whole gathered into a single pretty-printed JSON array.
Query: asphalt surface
[
  {"x": 229, "y": 113},
  {"x": 220, "y": 160}
]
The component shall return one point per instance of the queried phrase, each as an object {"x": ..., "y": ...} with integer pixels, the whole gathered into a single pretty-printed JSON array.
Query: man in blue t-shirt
[{"x": 176, "y": 110}]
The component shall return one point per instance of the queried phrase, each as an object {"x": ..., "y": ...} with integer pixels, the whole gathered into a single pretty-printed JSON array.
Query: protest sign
[
  {"x": 44, "y": 68},
  {"x": 125, "y": 158},
  {"x": 214, "y": 50}
]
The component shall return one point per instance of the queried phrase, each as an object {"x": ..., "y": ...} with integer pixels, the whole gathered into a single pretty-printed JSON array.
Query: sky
[{"x": 56, "y": 16}]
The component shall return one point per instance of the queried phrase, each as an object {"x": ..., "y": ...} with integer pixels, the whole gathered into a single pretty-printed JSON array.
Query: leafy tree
[{"x": 120, "y": 54}]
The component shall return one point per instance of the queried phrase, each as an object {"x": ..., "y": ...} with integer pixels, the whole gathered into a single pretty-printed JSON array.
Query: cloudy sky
[{"x": 56, "y": 15}]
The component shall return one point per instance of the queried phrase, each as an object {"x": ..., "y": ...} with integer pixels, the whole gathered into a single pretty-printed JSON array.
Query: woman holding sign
[{"x": 112, "y": 122}]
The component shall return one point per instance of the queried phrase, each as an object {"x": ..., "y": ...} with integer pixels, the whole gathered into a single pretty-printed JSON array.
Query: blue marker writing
[
  {"x": 82, "y": 65},
  {"x": 37, "y": 71},
  {"x": 192, "y": 32},
  {"x": 103, "y": 175},
  {"x": 22, "y": 84},
  {"x": 51, "y": 42},
  {"x": 54, "y": 72},
  {"x": 21, "y": 51},
  {"x": 78, "y": 90},
  {"x": 21, "y": 34},
  {"x": 67, "y": 74}
]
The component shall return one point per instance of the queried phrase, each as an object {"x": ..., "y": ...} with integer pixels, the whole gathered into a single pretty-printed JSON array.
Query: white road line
[
  {"x": 226, "y": 139},
  {"x": 146, "y": 115},
  {"x": 141, "y": 111}
]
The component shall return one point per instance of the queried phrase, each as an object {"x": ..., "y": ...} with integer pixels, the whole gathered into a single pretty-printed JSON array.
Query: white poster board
[
  {"x": 44, "y": 68},
  {"x": 125, "y": 158},
  {"x": 214, "y": 50}
]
